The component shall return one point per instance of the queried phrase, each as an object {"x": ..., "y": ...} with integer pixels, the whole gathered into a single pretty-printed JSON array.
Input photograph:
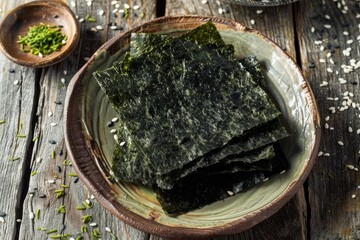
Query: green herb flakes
[
  {"x": 51, "y": 231},
  {"x": 33, "y": 173},
  {"x": 11, "y": 158},
  {"x": 61, "y": 209},
  {"x": 2, "y": 121},
  {"x": 86, "y": 218},
  {"x": 72, "y": 175},
  {"x": 59, "y": 193},
  {"x": 21, "y": 136},
  {"x": 42, "y": 40},
  {"x": 37, "y": 214},
  {"x": 84, "y": 229}
]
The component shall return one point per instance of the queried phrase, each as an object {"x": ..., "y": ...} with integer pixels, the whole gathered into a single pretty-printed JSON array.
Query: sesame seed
[
  {"x": 282, "y": 172},
  {"x": 93, "y": 29},
  {"x": 98, "y": 27},
  {"x": 260, "y": 11},
  {"x": 328, "y": 55},
  {"x": 340, "y": 143},
  {"x": 31, "y": 215},
  {"x": 324, "y": 84},
  {"x": 114, "y": 2},
  {"x": 62, "y": 80},
  {"x": 107, "y": 229},
  {"x": 346, "y": 33},
  {"x": 116, "y": 138},
  {"x": 353, "y": 196},
  {"x": 73, "y": 4},
  {"x": 320, "y": 153},
  {"x": 114, "y": 120},
  {"x": 322, "y": 48},
  {"x": 204, "y": 1},
  {"x": 322, "y": 60},
  {"x": 2, "y": 219},
  {"x": 349, "y": 41},
  {"x": 53, "y": 124},
  {"x": 135, "y": 7},
  {"x": 115, "y": 10},
  {"x": 82, "y": 20},
  {"x": 350, "y": 129},
  {"x": 329, "y": 70},
  {"x": 327, "y": 26},
  {"x": 327, "y": 154},
  {"x": 312, "y": 29},
  {"x": 50, "y": 114},
  {"x": 358, "y": 131},
  {"x": 327, "y": 126},
  {"x": 51, "y": 181},
  {"x": 327, "y": 16},
  {"x": 349, "y": 166},
  {"x": 265, "y": 179},
  {"x": 230, "y": 193},
  {"x": 93, "y": 224},
  {"x": 16, "y": 82},
  {"x": 18, "y": 220},
  {"x": 89, "y": 3},
  {"x": 113, "y": 131},
  {"x": 86, "y": 59},
  {"x": 101, "y": 12},
  {"x": 252, "y": 21},
  {"x": 122, "y": 144}
]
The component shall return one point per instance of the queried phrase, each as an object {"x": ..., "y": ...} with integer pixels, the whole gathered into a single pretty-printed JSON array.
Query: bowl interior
[
  {"x": 285, "y": 83},
  {"x": 18, "y": 21}
]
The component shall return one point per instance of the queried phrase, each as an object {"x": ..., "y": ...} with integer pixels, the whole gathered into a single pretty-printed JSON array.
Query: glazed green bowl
[{"x": 90, "y": 144}]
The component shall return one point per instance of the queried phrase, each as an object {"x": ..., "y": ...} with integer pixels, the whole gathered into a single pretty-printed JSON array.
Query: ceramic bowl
[
  {"x": 90, "y": 144},
  {"x": 18, "y": 21}
]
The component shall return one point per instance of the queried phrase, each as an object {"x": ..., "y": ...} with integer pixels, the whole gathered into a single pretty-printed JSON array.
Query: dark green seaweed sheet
[
  {"x": 198, "y": 190},
  {"x": 179, "y": 102},
  {"x": 255, "y": 138}
]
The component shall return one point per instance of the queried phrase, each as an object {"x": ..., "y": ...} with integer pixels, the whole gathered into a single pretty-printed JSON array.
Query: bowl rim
[
  {"x": 107, "y": 200},
  {"x": 62, "y": 53}
]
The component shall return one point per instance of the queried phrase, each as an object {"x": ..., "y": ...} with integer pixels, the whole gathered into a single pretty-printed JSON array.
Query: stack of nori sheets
[{"x": 195, "y": 122}]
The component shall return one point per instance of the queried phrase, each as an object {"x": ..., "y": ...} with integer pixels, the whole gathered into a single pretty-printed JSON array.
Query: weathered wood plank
[
  {"x": 16, "y": 113},
  {"x": 334, "y": 213},
  {"x": 49, "y": 114},
  {"x": 277, "y": 24}
]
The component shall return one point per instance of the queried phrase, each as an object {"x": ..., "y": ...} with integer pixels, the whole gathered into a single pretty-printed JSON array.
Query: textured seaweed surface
[
  {"x": 179, "y": 99},
  {"x": 195, "y": 123}
]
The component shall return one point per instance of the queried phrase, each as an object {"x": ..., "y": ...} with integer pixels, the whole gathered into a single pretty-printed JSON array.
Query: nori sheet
[
  {"x": 198, "y": 190},
  {"x": 178, "y": 101}
]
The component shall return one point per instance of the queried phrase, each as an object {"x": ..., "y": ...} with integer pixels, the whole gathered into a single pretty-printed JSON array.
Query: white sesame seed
[
  {"x": 135, "y": 7},
  {"x": 331, "y": 61},
  {"x": 356, "y": 169},
  {"x": 51, "y": 181},
  {"x": 260, "y": 11},
  {"x": 322, "y": 48},
  {"x": 31, "y": 215},
  {"x": 324, "y": 84},
  {"x": 204, "y": 1},
  {"x": 114, "y": 120},
  {"x": 89, "y": 3},
  {"x": 349, "y": 41},
  {"x": 322, "y": 60},
  {"x": 327, "y": 16},
  {"x": 82, "y": 20},
  {"x": 73, "y": 4},
  {"x": 16, "y": 82},
  {"x": 62, "y": 80},
  {"x": 53, "y": 124},
  {"x": 93, "y": 224},
  {"x": 265, "y": 179},
  {"x": 358, "y": 131},
  {"x": 122, "y": 144},
  {"x": 50, "y": 114},
  {"x": 98, "y": 27},
  {"x": 101, "y": 12},
  {"x": 2, "y": 219},
  {"x": 327, "y": 118},
  {"x": 353, "y": 196},
  {"x": 86, "y": 58},
  {"x": 330, "y": 98},
  {"x": 127, "y": 6},
  {"x": 115, "y": 10},
  {"x": 329, "y": 70},
  {"x": 88, "y": 201},
  {"x": 113, "y": 27},
  {"x": 72, "y": 238},
  {"x": 282, "y": 172},
  {"x": 340, "y": 143},
  {"x": 114, "y": 2},
  {"x": 230, "y": 193},
  {"x": 320, "y": 153},
  {"x": 41, "y": 55},
  {"x": 327, "y": 154},
  {"x": 252, "y": 21},
  {"x": 345, "y": 33},
  {"x": 349, "y": 166},
  {"x": 113, "y": 131},
  {"x": 327, "y": 126},
  {"x": 312, "y": 29},
  {"x": 18, "y": 220},
  {"x": 92, "y": 197},
  {"x": 350, "y": 129},
  {"x": 93, "y": 29},
  {"x": 328, "y": 55},
  {"x": 318, "y": 42},
  {"x": 327, "y": 26},
  {"x": 116, "y": 138},
  {"x": 38, "y": 159},
  {"x": 121, "y": 10}
]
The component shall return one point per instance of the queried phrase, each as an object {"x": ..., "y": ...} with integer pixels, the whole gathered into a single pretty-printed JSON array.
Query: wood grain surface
[{"x": 35, "y": 167}]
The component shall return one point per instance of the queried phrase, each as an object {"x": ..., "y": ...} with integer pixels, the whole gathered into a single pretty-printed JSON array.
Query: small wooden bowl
[{"x": 18, "y": 21}]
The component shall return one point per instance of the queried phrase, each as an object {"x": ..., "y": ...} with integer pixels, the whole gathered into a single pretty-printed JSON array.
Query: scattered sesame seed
[
  {"x": 265, "y": 179},
  {"x": 329, "y": 70},
  {"x": 322, "y": 48},
  {"x": 122, "y": 144},
  {"x": 327, "y": 154},
  {"x": 312, "y": 29},
  {"x": 53, "y": 124},
  {"x": 116, "y": 138},
  {"x": 73, "y": 4},
  {"x": 93, "y": 29},
  {"x": 327, "y": 26},
  {"x": 114, "y": 120},
  {"x": 340, "y": 143},
  {"x": 327, "y": 126},
  {"x": 349, "y": 41},
  {"x": 260, "y": 11},
  {"x": 63, "y": 80},
  {"x": 322, "y": 60},
  {"x": 327, "y": 118},
  {"x": 358, "y": 131},
  {"x": 31, "y": 215},
  {"x": 2, "y": 219},
  {"x": 93, "y": 224},
  {"x": 107, "y": 229},
  {"x": 113, "y": 131},
  {"x": 89, "y": 3},
  {"x": 126, "y": 6},
  {"x": 230, "y": 193},
  {"x": 98, "y": 27},
  {"x": 320, "y": 153},
  {"x": 204, "y": 1},
  {"x": 252, "y": 22},
  {"x": 16, "y": 82},
  {"x": 353, "y": 196},
  {"x": 327, "y": 17},
  {"x": 51, "y": 181},
  {"x": 50, "y": 114},
  {"x": 18, "y": 220},
  {"x": 101, "y": 12},
  {"x": 282, "y": 172},
  {"x": 350, "y": 129},
  {"x": 86, "y": 59},
  {"x": 82, "y": 20},
  {"x": 346, "y": 33}
]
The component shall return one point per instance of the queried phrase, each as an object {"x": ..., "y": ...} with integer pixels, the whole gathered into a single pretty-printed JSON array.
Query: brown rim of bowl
[
  {"x": 46, "y": 61},
  {"x": 80, "y": 151}
]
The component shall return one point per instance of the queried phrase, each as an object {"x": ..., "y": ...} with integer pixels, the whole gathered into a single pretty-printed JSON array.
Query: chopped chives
[
  {"x": 51, "y": 231},
  {"x": 84, "y": 229},
  {"x": 72, "y": 175},
  {"x": 33, "y": 173},
  {"x": 21, "y": 135},
  {"x": 2, "y": 121}
]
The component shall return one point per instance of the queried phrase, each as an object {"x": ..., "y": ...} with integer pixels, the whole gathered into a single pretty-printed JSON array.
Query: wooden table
[{"x": 314, "y": 33}]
